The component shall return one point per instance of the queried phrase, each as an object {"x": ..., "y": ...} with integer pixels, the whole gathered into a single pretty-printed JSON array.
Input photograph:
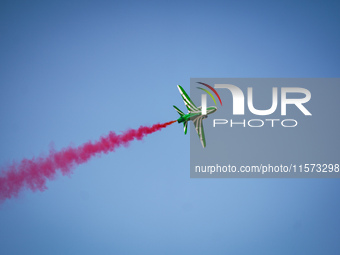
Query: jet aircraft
[{"x": 195, "y": 114}]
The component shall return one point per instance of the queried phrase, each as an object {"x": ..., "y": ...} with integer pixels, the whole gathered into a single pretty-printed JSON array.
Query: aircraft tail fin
[
  {"x": 182, "y": 119},
  {"x": 185, "y": 125},
  {"x": 179, "y": 111}
]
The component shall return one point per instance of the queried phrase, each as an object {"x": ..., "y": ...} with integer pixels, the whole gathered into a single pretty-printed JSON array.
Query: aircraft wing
[
  {"x": 198, "y": 122},
  {"x": 187, "y": 101}
]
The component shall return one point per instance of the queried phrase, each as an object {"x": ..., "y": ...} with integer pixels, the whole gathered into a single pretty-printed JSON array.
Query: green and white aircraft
[{"x": 195, "y": 114}]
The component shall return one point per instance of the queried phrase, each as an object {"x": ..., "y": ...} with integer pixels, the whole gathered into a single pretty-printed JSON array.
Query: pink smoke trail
[{"x": 32, "y": 174}]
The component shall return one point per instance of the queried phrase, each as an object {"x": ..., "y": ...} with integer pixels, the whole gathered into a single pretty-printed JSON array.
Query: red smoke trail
[{"x": 32, "y": 174}]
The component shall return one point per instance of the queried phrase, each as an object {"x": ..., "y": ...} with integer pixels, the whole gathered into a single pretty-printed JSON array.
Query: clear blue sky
[{"x": 71, "y": 71}]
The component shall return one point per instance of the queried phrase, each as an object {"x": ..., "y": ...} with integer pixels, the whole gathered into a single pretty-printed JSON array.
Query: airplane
[{"x": 194, "y": 114}]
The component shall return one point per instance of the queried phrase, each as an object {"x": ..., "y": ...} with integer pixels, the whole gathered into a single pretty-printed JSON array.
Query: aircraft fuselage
[{"x": 191, "y": 116}]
